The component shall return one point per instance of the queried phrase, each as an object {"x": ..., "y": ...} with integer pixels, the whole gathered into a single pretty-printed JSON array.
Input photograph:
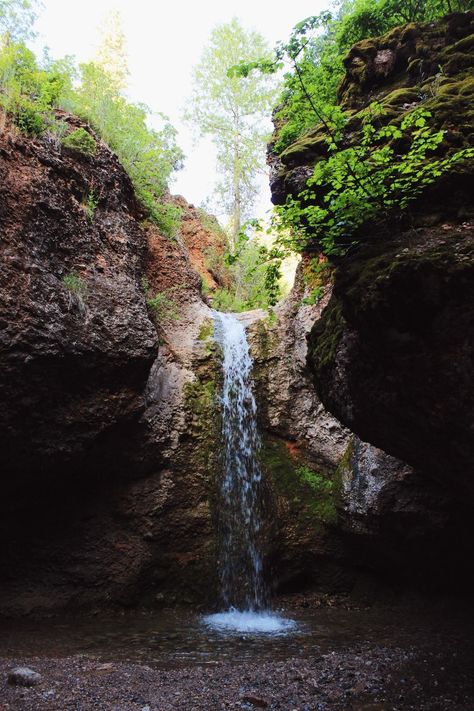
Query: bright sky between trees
[{"x": 164, "y": 42}]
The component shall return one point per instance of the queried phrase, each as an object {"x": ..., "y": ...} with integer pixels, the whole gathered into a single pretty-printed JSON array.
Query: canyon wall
[
  {"x": 110, "y": 376},
  {"x": 391, "y": 355},
  {"x": 107, "y": 473}
]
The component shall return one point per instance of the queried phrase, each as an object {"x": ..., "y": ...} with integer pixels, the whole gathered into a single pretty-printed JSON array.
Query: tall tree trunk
[{"x": 237, "y": 179}]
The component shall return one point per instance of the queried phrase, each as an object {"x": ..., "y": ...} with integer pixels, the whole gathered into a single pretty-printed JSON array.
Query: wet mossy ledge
[
  {"x": 419, "y": 65},
  {"x": 305, "y": 549},
  {"x": 311, "y": 495}
]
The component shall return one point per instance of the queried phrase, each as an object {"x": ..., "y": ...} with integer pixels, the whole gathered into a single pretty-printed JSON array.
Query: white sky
[{"x": 164, "y": 42}]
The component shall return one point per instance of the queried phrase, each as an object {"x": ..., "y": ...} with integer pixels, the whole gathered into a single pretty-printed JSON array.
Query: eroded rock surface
[
  {"x": 391, "y": 355},
  {"x": 105, "y": 403},
  {"x": 342, "y": 510},
  {"x": 76, "y": 340}
]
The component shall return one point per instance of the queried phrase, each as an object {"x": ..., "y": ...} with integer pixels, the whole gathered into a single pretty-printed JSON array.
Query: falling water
[
  {"x": 240, "y": 559},
  {"x": 241, "y": 576}
]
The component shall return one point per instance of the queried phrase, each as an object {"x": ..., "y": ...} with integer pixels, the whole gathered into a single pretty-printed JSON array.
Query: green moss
[
  {"x": 207, "y": 330},
  {"x": 313, "y": 143},
  {"x": 463, "y": 45},
  {"x": 312, "y": 496},
  {"x": 402, "y": 96},
  {"x": 200, "y": 398},
  {"x": 267, "y": 338},
  {"x": 345, "y": 462},
  {"x": 325, "y": 336}
]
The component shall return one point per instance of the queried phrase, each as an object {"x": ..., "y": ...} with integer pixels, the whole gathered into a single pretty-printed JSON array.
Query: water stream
[{"x": 241, "y": 576}]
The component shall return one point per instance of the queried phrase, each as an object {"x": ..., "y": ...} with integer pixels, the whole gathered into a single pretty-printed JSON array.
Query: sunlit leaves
[
  {"x": 358, "y": 184},
  {"x": 231, "y": 103}
]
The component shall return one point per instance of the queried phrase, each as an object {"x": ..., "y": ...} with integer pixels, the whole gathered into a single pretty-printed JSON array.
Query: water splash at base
[{"x": 248, "y": 621}]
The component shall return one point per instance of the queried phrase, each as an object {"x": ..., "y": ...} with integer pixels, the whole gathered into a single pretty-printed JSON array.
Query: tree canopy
[
  {"x": 31, "y": 90},
  {"x": 234, "y": 113},
  {"x": 17, "y": 18}
]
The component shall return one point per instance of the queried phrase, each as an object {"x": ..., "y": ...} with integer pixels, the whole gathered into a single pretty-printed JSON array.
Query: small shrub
[
  {"x": 81, "y": 141},
  {"x": 77, "y": 289},
  {"x": 75, "y": 284},
  {"x": 161, "y": 306},
  {"x": 56, "y": 131},
  {"x": 315, "y": 480},
  {"x": 90, "y": 203},
  {"x": 29, "y": 120}
]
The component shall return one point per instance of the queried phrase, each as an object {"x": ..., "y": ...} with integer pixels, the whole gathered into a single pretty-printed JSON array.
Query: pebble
[{"x": 23, "y": 676}]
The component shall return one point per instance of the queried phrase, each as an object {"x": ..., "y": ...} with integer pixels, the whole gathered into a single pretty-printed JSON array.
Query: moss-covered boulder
[{"x": 419, "y": 65}]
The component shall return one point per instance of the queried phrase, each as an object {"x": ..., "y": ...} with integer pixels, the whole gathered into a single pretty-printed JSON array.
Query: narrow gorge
[{"x": 166, "y": 464}]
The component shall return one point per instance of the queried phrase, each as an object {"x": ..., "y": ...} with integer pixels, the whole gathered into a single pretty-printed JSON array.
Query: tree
[
  {"x": 16, "y": 19},
  {"x": 111, "y": 53},
  {"x": 148, "y": 155},
  {"x": 232, "y": 110}
]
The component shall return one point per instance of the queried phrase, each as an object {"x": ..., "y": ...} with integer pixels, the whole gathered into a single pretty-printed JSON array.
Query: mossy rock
[
  {"x": 206, "y": 332},
  {"x": 326, "y": 335},
  {"x": 312, "y": 496},
  {"x": 80, "y": 141},
  {"x": 405, "y": 95}
]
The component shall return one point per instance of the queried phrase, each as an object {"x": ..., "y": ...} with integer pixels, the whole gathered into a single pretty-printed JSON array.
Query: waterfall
[
  {"x": 241, "y": 495},
  {"x": 240, "y": 556}
]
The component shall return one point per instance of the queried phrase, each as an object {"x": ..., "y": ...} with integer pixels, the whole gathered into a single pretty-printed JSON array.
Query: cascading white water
[
  {"x": 241, "y": 576},
  {"x": 240, "y": 559}
]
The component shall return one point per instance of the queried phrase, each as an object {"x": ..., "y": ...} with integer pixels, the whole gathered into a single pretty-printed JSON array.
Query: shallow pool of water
[{"x": 175, "y": 638}]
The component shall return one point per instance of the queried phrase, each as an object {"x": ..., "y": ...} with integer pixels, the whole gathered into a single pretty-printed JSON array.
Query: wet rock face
[
  {"x": 398, "y": 526},
  {"x": 341, "y": 509},
  {"x": 391, "y": 354},
  {"x": 289, "y": 408}
]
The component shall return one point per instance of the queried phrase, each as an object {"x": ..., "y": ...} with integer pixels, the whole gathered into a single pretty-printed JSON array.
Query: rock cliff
[
  {"x": 344, "y": 511},
  {"x": 105, "y": 401},
  {"x": 391, "y": 355}
]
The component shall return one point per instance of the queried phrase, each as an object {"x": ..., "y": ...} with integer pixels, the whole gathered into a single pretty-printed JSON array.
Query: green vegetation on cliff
[
  {"x": 32, "y": 91},
  {"x": 317, "y": 49},
  {"x": 356, "y": 151},
  {"x": 312, "y": 496},
  {"x": 254, "y": 271}
]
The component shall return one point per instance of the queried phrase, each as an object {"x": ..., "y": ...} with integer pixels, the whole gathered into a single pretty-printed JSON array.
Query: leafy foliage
[
  {"x": 315, "y": 51},
  {"x": 233, "y": 113},
  {"x": 27, "y": 92},
  {"x": 391, "y": 164},
  {"x": 365, "y": 182},
  {"x": 359, "y": 19},
  {"x": 90, "y": 203},
  {"x": 81, "y": 141},
  {"x": 30, "y": 92},
  {"x": 16, "y": 19},
  {"x": 148, "y": 155},
  {"x": 255, "y": 272}
]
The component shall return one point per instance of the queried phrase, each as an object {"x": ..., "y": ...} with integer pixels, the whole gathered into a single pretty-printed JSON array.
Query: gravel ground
[{"x": 362, "y": 678}]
